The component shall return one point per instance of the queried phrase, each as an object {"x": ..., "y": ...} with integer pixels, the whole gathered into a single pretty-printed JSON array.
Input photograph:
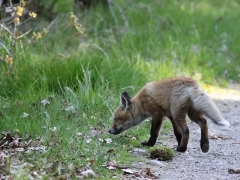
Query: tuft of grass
[
  {"x": 161, "y": 153},
  {"x": 50, "y": 74}
]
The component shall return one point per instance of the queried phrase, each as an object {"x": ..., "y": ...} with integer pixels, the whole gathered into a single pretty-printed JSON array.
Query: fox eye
[{"x": 116, "y": 119}]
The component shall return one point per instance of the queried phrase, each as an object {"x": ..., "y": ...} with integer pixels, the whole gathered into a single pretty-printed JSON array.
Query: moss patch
[{"x": 161, "y": 153}]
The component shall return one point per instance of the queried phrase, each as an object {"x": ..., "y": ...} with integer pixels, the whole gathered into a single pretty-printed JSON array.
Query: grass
[{"x": 83, "y": 77}]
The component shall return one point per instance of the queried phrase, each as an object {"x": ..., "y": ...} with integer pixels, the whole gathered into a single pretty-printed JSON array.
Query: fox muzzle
[{"x": 115, "y": 131}]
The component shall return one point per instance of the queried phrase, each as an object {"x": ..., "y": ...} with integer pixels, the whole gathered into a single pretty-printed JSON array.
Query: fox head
[
  {"x": 123, "y": 115},
  {"x": 126, "y": 115}
]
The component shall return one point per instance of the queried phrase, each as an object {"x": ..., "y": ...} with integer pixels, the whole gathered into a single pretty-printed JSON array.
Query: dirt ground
[{"x": 223, "y": 155}]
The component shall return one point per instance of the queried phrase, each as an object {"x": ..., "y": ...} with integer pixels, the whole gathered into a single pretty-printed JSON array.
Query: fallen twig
[{"x": 234, "y": 171}]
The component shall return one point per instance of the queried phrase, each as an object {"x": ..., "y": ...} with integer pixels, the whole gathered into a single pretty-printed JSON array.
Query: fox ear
[{"x": 125, "y": 100}]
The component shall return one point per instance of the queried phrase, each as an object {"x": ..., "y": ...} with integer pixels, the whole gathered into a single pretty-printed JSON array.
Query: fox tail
[{"x": 206, "y": 105}]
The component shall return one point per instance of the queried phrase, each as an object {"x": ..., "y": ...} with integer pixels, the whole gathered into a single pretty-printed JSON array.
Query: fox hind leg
[{"x": 198, "y": 118}]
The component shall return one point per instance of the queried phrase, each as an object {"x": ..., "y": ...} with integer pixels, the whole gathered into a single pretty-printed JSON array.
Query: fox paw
[
  {"x": 147, "y": 144},
  {"x": 181, "y": 149},
  {"x": 204, "y": 146}
]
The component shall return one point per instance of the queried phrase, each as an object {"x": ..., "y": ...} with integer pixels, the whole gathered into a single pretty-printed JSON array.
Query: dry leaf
[
  {"x": 127, "y": 171},
  {"x": 88, "y": 173},
  {"x": 71, "y": 109},
  {"x": 137, "y": 150},
  {"x": 54, "y": 129},
  {"x": 136, "y": 174},
  {"x": 94, "y": 133},
  {"x": 36, "y": 175},
  {"x": 108, "y": 140},
  {"x": 2, "y": 159},
  {"x": 7, "y": 138},
  {"x": 112, "y": 163},
  {"x": 99, "y": 139},
  {"x": 149, "y": 172},
  {"x": 218, "y": 137},
  {"x": 25, "y": 115},
  {"x": 110, "y": 151},
  {"x": 111, "y": 167},
  {"x": 45, "y": 102},
  {"x": 88, "y": 141},
  {"x": 71, "y": 167},
  {"x": 156, "y": 162},
  {"x": 79, "y": 134}
]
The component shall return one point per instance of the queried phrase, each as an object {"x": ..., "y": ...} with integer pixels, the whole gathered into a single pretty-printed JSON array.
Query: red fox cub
[{"x": 173, "y": 98}]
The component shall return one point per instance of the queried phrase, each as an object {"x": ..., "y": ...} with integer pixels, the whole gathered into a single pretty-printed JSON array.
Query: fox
[{"x": 173, "y": 98}]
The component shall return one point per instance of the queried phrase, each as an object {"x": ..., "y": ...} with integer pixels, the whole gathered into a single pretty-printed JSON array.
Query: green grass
[{"x": 198, "y": 39}]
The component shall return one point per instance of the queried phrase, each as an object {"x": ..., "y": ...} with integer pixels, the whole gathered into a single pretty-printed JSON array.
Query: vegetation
[
  {"x": 61, "y": 85},
  {"x": 161, "y": 153}
]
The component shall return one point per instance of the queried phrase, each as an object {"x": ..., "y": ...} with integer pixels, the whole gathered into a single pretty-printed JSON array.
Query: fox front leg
[
  {"x": 176, "y": 129},
  {"x": 155, "y": 128}
]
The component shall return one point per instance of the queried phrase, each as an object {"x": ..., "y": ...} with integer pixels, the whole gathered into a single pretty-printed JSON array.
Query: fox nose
[{"x": 109, "y": 131}]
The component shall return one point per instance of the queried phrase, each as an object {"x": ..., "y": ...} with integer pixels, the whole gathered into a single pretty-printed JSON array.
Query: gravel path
[{"x": 224, "y": 152}]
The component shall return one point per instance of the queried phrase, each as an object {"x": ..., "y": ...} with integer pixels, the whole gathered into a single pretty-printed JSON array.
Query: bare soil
[{"x": 222, "y": 158}]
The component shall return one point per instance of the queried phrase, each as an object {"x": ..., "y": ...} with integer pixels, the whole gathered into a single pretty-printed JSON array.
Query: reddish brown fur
[{"x": 173, "y": 98}]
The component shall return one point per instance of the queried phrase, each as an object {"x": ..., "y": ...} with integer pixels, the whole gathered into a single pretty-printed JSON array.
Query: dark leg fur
[
  {"x": 155, "y": 128},
  {"x": 176, "y": 130},
  {"x": 185, "y": 136},
  {"x": 198, "y": 118},
  {"x": 179, "y": 121}
]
